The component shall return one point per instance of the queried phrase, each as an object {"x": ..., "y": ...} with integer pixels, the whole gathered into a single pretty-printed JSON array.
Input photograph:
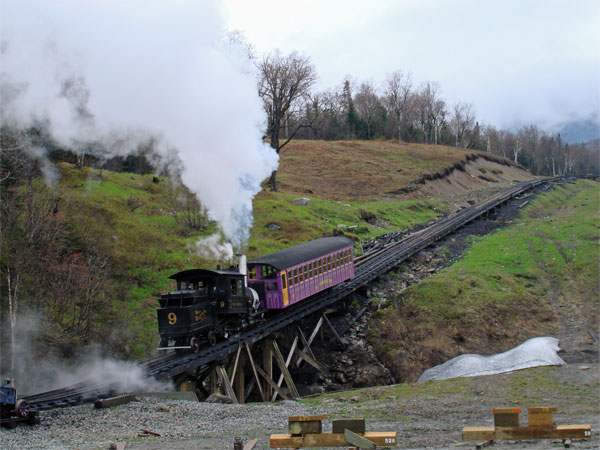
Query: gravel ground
[{"x": 425, "y": 415}]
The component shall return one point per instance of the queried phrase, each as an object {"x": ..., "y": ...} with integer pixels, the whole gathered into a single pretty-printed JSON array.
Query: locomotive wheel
[
  {"x": 212, "y": 338},
  {"x": 194, "y": 344},
  {"x": 22, "y": 408}
]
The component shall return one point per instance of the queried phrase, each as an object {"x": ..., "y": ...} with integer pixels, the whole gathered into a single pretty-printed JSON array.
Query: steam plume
[{"x": 115, "y": 74}]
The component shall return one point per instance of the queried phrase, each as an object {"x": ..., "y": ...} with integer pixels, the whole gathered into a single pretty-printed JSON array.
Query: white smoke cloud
[
  {"x": 35, "y": 371},
  {"x": 214, "y": 248},
  {"x": 120, "y": 72}
]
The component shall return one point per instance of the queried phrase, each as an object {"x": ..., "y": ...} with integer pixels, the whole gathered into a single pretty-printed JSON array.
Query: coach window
[
  {"x": 252, "y": 272},
  {"x": 305, "y": 272},
  {"x": 268, "y": 272},
  {"x": 296, "y": 276},
  {"x": 283, "y": 283},
  {"x": 271, "y": 286},
  {"x": 310, "y": 272},
  {"x": 300, "y": 274},
  {"x": 320, "y": 263},
  {"x": 328, "y": 263}
]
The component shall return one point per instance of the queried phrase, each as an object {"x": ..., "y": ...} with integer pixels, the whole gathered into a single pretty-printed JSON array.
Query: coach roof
[{"x": 304, "y": 252}]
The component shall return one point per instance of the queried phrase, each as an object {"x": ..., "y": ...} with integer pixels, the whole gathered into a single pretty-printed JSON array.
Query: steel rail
[{"x": 368, "y": 267}]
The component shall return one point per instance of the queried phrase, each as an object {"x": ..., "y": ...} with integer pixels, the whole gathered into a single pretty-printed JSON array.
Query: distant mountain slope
[{"x": 580, "y": 131}]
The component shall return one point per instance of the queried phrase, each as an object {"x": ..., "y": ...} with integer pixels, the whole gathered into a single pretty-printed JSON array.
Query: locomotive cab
[{"x": 206, "y": 305}]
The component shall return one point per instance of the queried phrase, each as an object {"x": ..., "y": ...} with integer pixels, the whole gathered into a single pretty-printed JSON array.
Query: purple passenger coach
[{"x": 291, "y": 275}]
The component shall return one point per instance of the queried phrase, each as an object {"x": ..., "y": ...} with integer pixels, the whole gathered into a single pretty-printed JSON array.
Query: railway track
[{"x": 368, "y": 267}]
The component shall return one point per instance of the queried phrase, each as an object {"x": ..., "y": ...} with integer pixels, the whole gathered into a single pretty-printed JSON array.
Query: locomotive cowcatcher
[{"x": 206, "y": 306}]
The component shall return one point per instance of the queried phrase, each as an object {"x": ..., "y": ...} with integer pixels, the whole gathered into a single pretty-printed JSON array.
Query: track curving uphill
[{"x": 367, "y": 268}]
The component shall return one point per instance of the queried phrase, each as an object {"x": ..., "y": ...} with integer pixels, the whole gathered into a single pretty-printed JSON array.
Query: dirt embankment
[{"x": 471, "y": 176}]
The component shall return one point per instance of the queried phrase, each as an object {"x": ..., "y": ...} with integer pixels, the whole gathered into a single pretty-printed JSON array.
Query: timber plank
[
  {"x": 358, "y": 440},
  {"x": 354, "y": 425},
  {"x": 298, "y": 428},
  {"x": 114, "y": 401},
  {"x": 526, "y": 432},
  {"x": 306, "y": 418},
  {"x": 329, "y": 439}
]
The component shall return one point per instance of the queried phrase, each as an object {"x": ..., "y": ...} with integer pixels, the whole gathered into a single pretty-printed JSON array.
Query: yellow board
[{"x": 329, "y": 439}]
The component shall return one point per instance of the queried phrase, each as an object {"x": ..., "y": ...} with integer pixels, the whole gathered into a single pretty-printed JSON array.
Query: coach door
[{"x": 284, "y": 288}]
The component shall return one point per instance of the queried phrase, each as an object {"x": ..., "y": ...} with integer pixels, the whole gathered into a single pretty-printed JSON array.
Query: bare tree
[
  {"x": 367, "y": 103},
  {"x": 462, "y": 121},
  {"x": 284, "y": 82},
  {"x": 397, "y": 93}
]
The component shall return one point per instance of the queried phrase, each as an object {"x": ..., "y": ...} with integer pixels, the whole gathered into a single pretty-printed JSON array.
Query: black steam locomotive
[{"x": 207, "y": 305}]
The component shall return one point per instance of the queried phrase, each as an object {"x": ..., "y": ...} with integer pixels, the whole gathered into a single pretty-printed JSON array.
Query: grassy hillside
[
  {"x": 512, "y": 285},
  {"x": 127, "y": 220},
  {"x": 342, "y": 170}
]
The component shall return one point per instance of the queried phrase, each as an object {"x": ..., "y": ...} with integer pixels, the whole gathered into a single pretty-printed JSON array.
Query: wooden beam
[
  {"x": 305, "y": 343},
  {"x": 262, "y": 393},
  {"x": 329, "y": 439},
  {"x": 214, "y": 376},
  {"x": 226, "y": 383},
  {"x": 239, "y": 381},
  {"x": 235, "y": 364},
  {"x": 526, "y": 432},
  {"x": 312, "y": 337},
  {"x": 114, "y": 401},
  {"x": 250, "y": 389},
  {"x": 286, "y": 374},
  {"x": 287, "y": 363},
  {"x": 272, "y": 383},
  {"x": 355, "y": 425},
  {"x": 267, "y": 357},
  {"x": 313, "y": 362},
  {"x": 332, "y": 328},
  {"x": 358, "y": 440}
]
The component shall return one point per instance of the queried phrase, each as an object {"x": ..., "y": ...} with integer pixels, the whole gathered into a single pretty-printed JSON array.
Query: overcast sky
[{"x": 517, "y": 61}]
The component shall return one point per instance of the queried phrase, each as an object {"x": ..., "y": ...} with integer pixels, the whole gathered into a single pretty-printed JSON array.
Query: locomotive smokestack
[{"x": 243, "y": 268}]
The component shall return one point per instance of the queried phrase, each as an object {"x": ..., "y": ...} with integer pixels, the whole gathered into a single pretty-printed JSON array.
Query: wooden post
[
  {"x": 238, "y": 378},
  {"x": 332, "y": 328},
  {"x": 214, "y": 385},
  {"x": 267, "y": 357},
  {"x": 286, "y": 374},
  {"x": 226, "y": 383},
  {"x": 287, "y": 364},
  {"x": 251, "y": 360},
  {"x": 235, "y": 363}
]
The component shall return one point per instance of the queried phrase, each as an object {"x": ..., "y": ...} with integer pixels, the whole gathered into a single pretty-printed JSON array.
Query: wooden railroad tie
[
  {"x": 541, "y": 426},
  {"x": 306, "y": 431},
  {"x": 114, "y": 401}
]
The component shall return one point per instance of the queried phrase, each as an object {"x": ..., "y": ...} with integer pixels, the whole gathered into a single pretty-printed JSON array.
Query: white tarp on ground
[{"x": 540, "y": 351}]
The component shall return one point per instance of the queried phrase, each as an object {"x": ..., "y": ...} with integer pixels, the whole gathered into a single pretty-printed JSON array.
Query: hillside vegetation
[
  {"x": 89, "y": 256},
  {"x": 517, "y": 283}
]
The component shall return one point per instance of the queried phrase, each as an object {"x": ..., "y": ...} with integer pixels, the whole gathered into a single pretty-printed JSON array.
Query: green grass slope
[
  {"x": 509, "y": 286},
  {"x": 128, "y": 218}
]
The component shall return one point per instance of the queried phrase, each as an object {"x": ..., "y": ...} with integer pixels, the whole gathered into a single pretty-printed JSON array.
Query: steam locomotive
[{"x": 212, "y": 305}]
